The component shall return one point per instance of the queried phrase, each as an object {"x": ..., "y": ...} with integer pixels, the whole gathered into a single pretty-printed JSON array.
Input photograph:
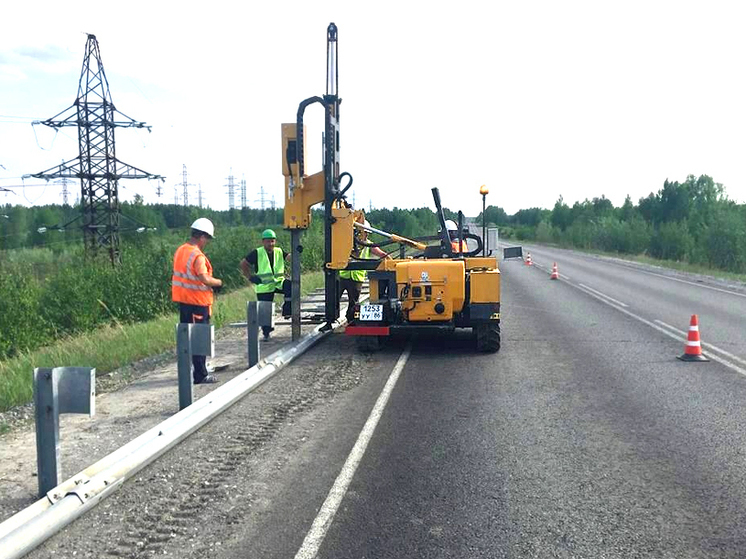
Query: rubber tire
[
  {"x": 368, "y": 344},
  {"x": 488, "y": 337}
]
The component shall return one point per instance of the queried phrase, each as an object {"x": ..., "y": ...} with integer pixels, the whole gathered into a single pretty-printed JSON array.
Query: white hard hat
[
  {"x": 451, "y": 225},
  {"x": 205, "y": 225},
  {"x": 366, "y": 223}
]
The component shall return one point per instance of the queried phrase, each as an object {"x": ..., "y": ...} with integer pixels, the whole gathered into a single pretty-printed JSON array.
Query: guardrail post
[
  {"x": 184, "y": 365},
  {"x": 56, "y": 391},
  {"x": 191, "y": 339},
  {"x": 252, "y": 330}
]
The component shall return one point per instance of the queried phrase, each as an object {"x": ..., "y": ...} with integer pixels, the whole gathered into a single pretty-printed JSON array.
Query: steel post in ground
[
  {"x": 47, "y": 415},
  {"x": 252, "y": 330},
  {"x": 184, "y": 366},
  {"x": 57, "y": 391},
  {"x": 296, "y": 249}
]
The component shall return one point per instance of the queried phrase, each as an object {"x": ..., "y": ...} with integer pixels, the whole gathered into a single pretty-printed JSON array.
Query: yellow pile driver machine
[{"x": 431, "y": 286}]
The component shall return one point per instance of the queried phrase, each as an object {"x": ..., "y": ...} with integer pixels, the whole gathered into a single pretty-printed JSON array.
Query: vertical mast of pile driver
[
  {"x": 303, "y": 191},
  {"x": 331, "y": 170}
]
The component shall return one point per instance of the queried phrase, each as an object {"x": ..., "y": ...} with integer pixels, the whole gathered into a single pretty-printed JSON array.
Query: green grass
[{"x": 112, "y": 347}]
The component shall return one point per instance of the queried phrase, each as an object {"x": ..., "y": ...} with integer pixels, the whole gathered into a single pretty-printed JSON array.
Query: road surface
[{"x": 584, "y": 437}]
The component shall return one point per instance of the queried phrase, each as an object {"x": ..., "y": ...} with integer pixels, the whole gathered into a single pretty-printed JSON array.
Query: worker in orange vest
[
  {"x": 452, "y": 229},
  {"x": 192, "y": 286}
]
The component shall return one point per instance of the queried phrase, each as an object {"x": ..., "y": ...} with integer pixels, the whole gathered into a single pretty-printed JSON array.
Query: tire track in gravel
[{"x": 173, "y": 514}]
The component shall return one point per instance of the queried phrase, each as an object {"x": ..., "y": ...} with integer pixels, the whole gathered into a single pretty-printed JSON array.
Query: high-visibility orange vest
[
  {"x": 454, "y": 246},
  {"x": 186, "y": 287}
]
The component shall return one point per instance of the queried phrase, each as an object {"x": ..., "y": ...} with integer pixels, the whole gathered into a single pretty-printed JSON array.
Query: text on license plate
[{"x": 371, "y": 312}]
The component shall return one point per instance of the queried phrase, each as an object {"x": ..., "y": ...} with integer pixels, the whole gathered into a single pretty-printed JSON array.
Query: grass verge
[{"x": 113, "y": 346}]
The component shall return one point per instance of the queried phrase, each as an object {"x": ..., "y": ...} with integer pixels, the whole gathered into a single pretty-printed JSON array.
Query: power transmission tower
[
  {"x": 199, "y": 194},
  {"x": 64, "y": 183},
  {"x": 243, "y": 192},
  {"x": 262, "y": 198},
  {"x": 185, "y": 185},
  {"x": 353, "y": 199},
  {"x": 176, "y": 195},
  {"x": 273, "y": 201},
  {"x": 231, "y": 192},
  {"x": 370, "y": 205},
  {"x": 97, "y": 167}
]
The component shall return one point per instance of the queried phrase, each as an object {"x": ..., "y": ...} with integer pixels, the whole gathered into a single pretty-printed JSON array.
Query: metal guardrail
[{"x": 32, "y": 526}]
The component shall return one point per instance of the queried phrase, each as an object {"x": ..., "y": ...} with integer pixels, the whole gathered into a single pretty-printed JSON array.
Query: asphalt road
[{"x": 583, "y": 437}]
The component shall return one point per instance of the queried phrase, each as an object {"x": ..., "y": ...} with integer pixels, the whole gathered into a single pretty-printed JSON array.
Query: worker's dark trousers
[
  {"x": 353, "y": 288},
  {"x": 286, "y": 291},
  {"x": 194, "y": 314}
]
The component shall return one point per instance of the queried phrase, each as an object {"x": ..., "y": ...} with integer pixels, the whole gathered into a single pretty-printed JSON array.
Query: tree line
[{"x": 691, "y": 221}]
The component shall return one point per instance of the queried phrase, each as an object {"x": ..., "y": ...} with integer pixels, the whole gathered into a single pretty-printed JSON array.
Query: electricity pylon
[{"x": 97, "y": 167}]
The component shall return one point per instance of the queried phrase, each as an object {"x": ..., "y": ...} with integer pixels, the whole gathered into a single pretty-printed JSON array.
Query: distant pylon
[
  {"x": 199, "y": 195},
  {"x": 273, "y": 202},
  {"x": 243, "y": 192},
  {"x": 97, "y": 167},
  {"x": 64, "y": 182},
  {"x": 231, "y": 191},
  {"x": 262, "y": 198}
]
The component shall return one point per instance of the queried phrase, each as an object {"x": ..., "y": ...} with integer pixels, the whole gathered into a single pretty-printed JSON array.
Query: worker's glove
[
  {"x": 255, "y": 279},
  {"x": 217, "y": 288}
]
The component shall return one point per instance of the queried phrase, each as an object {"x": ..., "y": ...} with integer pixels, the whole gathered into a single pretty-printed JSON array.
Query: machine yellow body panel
[
  {"x": 426, "y": 286},
  {"x": 306, "y": 192},
  {"x": 481, "y": 262},
  {"x": 343, "y": 235},
  {"x": 484, "y": 286}
]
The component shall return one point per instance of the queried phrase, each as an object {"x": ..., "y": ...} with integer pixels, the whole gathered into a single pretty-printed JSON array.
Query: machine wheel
[
  {"x": 488, "y": 337},
  {"x": 368, "y": 344}
]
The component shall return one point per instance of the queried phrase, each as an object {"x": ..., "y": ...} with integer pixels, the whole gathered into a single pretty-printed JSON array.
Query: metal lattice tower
[
  {"x": 262, "y": 198},
  {"x": 64, "y": 182},
  {"x": 243, "y": 192},
  {"x": 185, "y": 186},
  {"x": 199, "y": 194},
  {"x": 231, "y": 192},
  {"x": 273, "y": 201},
  {"x": 97, "y": 167}
]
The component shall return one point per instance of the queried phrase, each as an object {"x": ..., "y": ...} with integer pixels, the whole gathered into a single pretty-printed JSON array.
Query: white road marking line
[
  {"x": 720, "y": 360},
  {"x": 708, "y": 346},
  {"x": 694, "y": 283},
  {"x": 324, "y": 518},
  {"x": 604, "y": 295}
]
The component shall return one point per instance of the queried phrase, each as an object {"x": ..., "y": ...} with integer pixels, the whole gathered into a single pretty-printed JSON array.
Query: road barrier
[{"x": 63, "y": 504}]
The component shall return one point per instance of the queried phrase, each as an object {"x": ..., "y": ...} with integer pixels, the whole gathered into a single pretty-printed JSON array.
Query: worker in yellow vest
[
  {"x": 352, "y": 281},
  {"x": 265, "y": 268},
  {"x": 192, "y": 286}
]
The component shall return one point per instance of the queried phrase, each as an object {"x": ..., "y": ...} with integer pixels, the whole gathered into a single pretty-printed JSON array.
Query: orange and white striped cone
[
  {"x": 693, "y": 348},
  {"x": 528, "y": 260},
  {"x": 555, "y": 272}
]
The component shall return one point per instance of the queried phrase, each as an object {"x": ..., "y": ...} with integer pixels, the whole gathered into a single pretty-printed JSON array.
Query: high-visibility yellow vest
[
  {"x": 271, "y": 278},
  {"x": 186, "y": 287},
  {"x": 356, "y": 275}
]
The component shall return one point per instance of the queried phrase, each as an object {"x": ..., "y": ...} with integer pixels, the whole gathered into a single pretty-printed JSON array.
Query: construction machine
[{"x": 433, "y": 285}]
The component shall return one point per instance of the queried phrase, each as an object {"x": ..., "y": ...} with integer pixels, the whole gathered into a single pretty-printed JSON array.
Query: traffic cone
[
  {"x": 693, "y": 349},
  {"x": 528, "y": 260},
  {"x": 555, "y": 272}
]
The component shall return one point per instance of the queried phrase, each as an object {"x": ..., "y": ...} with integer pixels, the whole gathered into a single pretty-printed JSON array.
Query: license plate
[{"x": 371, "y": 312}]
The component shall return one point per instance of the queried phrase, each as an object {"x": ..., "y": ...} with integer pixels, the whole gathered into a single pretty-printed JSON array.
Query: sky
[{"x": 534, "y": 99}]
